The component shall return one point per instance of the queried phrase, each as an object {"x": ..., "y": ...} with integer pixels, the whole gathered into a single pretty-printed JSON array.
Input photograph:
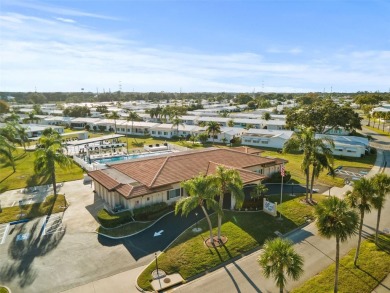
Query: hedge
[
  {"x": 108, "y": 220},
  {"x": 150, "y": 212}
]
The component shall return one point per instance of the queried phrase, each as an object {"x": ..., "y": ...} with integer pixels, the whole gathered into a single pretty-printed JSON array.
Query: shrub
[
  {"x": 109, "y": 220},
  {"x": 372, "y": 151},
  {"x": 150, "y": 212},
  {"x": 252, "y": 205},
  {"x": 277, "y": 178}
]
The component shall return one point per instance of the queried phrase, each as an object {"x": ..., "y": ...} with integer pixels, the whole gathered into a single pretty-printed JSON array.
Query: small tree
[
  {"x": 203, "y": 136},
  {"x": 259, "y": 191},
  {"x": 278, "y": 259},
  {"x": 201, "y": 193}
]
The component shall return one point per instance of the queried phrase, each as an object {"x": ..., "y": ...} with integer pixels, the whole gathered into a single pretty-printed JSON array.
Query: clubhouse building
[{"x": 137, "y": 183}]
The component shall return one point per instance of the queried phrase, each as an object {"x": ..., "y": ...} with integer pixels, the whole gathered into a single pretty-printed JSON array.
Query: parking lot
[{"x": 63, "y": 251}]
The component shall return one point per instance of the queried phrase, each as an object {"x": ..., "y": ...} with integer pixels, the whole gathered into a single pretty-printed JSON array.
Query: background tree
[
  {"x": 201, "y": 193},
  {"x": 4, "y": 107},
  {"x": 230, "y": 123},
  {"x": 77, "y": 111},
  {"x": 360, "y": 198},
  {"x": 102, "y": 109},
  {"x": 323, "y": 116},
  {"x": 227, "y": 180},
  {"x": 266, "y": 116},
  {"x": 381, "y": 184},
  {"x": 213, "y": 128},
  {"x": 336, "y": 219},
  {"x": 49, "y": 154},
  {"x": 132, "y": 116},
  {"x": 280, "y": 259}
]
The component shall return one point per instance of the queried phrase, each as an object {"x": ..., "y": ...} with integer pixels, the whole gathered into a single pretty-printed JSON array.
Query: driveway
[{"x": 66, "y": 252}]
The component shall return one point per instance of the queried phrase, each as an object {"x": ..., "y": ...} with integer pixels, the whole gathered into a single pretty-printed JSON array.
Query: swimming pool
[{"x": 129, "y": 157}]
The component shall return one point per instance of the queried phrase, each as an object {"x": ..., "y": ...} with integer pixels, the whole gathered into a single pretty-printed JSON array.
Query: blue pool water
[{"x": 129, "y": 157}]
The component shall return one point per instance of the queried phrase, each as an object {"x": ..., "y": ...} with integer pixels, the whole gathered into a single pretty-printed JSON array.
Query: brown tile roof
[
  {"x": 246, "y": 175},
  {"x": 104, "y": 179},
  {"x": 154, "y": 172},
  {"x": 247, "y": 150}
]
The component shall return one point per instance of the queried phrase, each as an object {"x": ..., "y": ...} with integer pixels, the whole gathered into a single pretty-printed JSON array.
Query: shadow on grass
[{"x": 23, "y": 253}]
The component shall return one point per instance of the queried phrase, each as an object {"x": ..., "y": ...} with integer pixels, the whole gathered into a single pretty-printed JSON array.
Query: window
[
  {"x": 148, "y": 198},
  {"x": 165, "y": 133},
  {"x": 153, "y": 132},
  {"x": 256, "y": 141},
  {"x": 247, "y": 140},
  {"x": 173, "y": 193},
  {"x": 159, "y": 132},
  {"x": 264, "y": 141}
]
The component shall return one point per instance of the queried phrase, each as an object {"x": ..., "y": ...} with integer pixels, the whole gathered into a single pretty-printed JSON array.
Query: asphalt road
[{"x": 157, "y": 237}]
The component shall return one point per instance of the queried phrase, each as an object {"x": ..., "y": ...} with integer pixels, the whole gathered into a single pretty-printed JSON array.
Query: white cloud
[
  {"x": 66, "y": 56},
  {"x": 67, "y": 20}
]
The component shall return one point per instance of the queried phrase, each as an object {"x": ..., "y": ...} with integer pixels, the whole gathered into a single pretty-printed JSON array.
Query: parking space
[
  {"x": 4, "y": 230},
  {"x": 68, "y": 243}
]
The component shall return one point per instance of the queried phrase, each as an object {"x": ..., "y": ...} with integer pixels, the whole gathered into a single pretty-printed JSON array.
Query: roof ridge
[{"x": 158, "y": 172}]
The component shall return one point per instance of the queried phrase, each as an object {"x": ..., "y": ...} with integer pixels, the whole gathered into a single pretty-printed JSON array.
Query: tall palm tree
[
  {"x": 201, "y": 193},
  {"x": 22, "y": 136},
  {"x": 49, "y": 154},
  {"x": 12, "y": 118},
  {"x": 114, "y": 115},
  {"x": 305, "y": 140},
  {"x": 360, "y": 198},
  {"x": 280, "y": 259},
  {"x": 176, "y": 122},
  {"x": 213, "y": 128},
  {"x": 227, "y": 180},
  {"x": 133, "y": 116},
  {"x": 320, "y": 161},
  {"x": 6, "y": 148},
  {"x": 336, "y": 219},
  {"x": 381, "y": 182}
]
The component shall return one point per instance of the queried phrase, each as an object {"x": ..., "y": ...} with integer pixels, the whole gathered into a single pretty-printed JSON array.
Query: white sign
[{"x": 269, "y": 207}]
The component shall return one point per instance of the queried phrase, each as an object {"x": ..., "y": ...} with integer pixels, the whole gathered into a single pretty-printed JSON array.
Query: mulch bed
[{"x": 216, "y": 243}]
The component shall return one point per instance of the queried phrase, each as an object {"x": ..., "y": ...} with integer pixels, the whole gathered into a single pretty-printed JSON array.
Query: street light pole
[
  {"x": 196, "y": 224},
  {"x": 155, "y": 255}
]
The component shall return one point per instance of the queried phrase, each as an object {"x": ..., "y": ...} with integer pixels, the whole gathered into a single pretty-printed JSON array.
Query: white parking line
[{"x": 5, "y": 233}]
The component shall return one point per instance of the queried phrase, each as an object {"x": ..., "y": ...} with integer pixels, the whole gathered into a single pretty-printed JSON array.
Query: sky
[{"x": 195, "y": 46}]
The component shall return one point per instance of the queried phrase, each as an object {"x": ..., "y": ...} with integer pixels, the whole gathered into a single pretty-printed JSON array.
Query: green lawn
[
  {"x": 294, "y": 166},
  {"x": 31, "y": 211},
  {"x": 125, "y": 230},
  {"x": 379, "y": 131},
  {"x": 3, "y": 290},
  {"x": 245, "y": 231},
  {"x": 25, "y": 176},
  {"x": 374, "y": 266}
]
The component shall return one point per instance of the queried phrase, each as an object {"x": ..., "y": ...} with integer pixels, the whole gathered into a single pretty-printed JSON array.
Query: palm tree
[
  {"x": 336, "y": 219},
  {"x": 6, "y": 148},
  {"x": 114, "y": 115},
  {"x": 133, "y": 116},
  {"x": 305, "y": 140},
  {"x": 360, "y": 198},
  {"x": 176, "y": 122},
  {"x": 22, "y": 136},
  {"x": 320, "y": 161},
  {"x": 227, "y": 180},
  {"x": 278, "y": 259},
  {"x": 49, "y": 154},
  {"x": 12, "y": 118},
  {"x": 213, "y": 128},
  {"x": 201, "y": 193},
  {"x": 381, "y": 182},
  {"x": 259, "y": 191}
]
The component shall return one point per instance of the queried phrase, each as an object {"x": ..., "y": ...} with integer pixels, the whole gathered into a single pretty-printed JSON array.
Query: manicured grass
[
  {"x": 374, "y": 266},
  {"x": 295, "y": 160},
  {"x": 189, "y": 256},
  {"x": 3, "y": 290},
  {"x": 295, "y": 209},
  {"x": 25, "y": 176},
  {"x": 125, "y": 230},
  {"x": 379, "y": 131},
  {"x": 31, "y": 211}
]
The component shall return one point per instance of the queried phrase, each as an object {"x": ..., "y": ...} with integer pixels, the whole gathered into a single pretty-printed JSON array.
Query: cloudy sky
[{"x": 204, "y": 45}]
